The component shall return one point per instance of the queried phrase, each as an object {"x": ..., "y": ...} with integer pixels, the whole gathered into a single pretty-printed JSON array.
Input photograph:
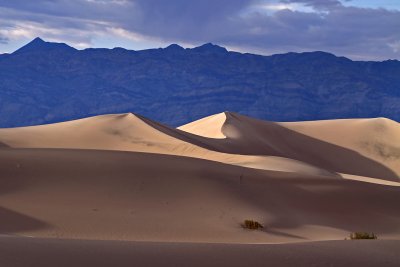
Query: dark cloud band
[{"x": 359, "y": 33}]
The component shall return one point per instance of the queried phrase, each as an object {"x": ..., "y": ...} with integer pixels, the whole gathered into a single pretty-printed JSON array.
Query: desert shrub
[
  {"x": 362, "y": 235},
  {"x": 253, "y": 225}
]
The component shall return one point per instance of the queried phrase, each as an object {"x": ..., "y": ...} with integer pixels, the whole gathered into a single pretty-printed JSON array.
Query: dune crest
[
  {"x": 210, "y": 126},
  {"x": 130, "y": 132},
  {"x": 364, "y": 147},
  {"x": 358, "y": 147},
  {"x": 125, "y": 177}
]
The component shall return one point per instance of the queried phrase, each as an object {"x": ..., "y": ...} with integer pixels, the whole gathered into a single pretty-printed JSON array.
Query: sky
[{"x": 357, "y": 29}]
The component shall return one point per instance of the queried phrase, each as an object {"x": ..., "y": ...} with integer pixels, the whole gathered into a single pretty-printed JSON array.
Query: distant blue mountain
[
  {"x": 46, "y": 82},
  {"x": 40, "y": 46}
]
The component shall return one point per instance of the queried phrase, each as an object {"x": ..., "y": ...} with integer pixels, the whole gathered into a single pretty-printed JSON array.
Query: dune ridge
[
  {"x": 125, "y": 177},
  {"x": 364, "y": 147},
  {"x": 358, "y": 147}
]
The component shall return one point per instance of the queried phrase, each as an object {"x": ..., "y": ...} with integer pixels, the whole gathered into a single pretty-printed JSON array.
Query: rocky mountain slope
[{"x": 46, "y": 82}]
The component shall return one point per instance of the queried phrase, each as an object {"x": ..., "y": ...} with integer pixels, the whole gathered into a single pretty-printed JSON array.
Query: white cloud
[
  {"x": 273, "y": 7},
  {"x": 108, "y": 2},
  {"x": 395, "y": 46}
]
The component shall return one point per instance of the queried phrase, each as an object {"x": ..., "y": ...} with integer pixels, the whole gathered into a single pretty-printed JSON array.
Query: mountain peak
[
  {"x": 37, "y": 40},
  {"x": 174, "y": 47},
  {"x": 210, "y": 48},
  {"x": 39, "y": 45}
]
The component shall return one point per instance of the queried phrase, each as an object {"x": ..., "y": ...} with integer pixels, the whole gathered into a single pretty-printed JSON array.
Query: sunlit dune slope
[
  {"x": 129, "y": 132},
  {"x": 360, "y": 147},
  {"x": 366, "y": 147},
  {"x": 117, "y": 195}
]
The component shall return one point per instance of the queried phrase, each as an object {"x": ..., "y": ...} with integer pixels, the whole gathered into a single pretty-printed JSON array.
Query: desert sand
[
  {"x": 136, "y": 187},
  {"x": 65, "y": 253}
]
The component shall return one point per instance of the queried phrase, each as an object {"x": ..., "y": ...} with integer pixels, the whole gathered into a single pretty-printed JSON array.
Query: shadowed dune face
[
  {"x": 284, "y": 142},
  {"x": 254, "y": 137},
  {"x": 13, "y": 222},
  {"x": 322, "y": 147},
  {"x": 2, "y": 145},
  {"x": 378, "y": 139},
  {"x": 59, "y": 180},
  {"x": 139, "y": 196}
]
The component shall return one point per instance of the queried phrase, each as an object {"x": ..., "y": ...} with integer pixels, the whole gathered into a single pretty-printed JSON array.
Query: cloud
[
  {"x": 3, "y": 40},
  {"x": 355, "y": 32},
  {"x": 317, "y": 4},
  {"x": 262, "y": 26},
  {"x": 183, "y": 20}
]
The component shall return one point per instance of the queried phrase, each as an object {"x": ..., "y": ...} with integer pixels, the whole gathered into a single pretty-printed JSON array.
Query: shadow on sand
[{"x": 256, "y": 137}]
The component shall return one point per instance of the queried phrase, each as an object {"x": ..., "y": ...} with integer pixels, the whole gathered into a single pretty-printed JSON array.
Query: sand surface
[
  {"x": 55, "y": 252},
  {"x": 124, "y": 177},
  {"x": 362, "y": 147}
]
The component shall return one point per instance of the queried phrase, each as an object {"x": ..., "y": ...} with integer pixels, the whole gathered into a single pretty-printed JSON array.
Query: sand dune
[
  {"x": 108, "y": 132},
  {"x": 139, "y": 196},
  {"x": 366, "y": 147},
  {"x": 210, "y": 127},
  {"x": 124, "y": 177},
  {"x": 128, "y": 132}
]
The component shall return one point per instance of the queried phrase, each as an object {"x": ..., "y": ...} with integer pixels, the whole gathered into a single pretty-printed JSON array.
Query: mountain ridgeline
[{"x": 45, "y": 82}]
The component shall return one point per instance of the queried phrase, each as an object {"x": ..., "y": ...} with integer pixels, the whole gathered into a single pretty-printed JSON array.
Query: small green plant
[
  {"x": 253, "y": 225},
  {"x": 362, "y": 235}
]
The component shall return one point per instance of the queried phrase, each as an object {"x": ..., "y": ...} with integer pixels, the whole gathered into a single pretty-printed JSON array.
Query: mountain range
[{"x": 45, "y": 82}]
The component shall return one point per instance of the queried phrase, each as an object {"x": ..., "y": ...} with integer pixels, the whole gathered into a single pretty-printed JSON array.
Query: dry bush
[
  {"x": 253, "y": 225},
  {"x": 362, "y": 235}
]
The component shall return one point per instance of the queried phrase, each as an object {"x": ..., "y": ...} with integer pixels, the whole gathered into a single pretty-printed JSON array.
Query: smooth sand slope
[
  {"x": 128, "y": 132},
  {"x": 124, "y": 177},
  {"x": 139, "y": 196},
  {"x": 66, "y": 253},
  {"x": 366, "y": 147},
  {"x": 363, "y": 147}
]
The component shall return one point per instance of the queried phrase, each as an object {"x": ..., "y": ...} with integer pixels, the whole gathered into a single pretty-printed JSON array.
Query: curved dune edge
[
  {"x": 128, "y": 132},
  {"x": 369, "y": 180},
  {"x": 210, "y": 127},
  {"x": 125, "y": 177},
  {"x": 354, "y": 146},
  {"x": 360, "y": 147}
]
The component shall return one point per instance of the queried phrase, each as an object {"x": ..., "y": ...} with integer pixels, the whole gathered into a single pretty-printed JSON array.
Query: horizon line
[{"x": 194, "y": 47}]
